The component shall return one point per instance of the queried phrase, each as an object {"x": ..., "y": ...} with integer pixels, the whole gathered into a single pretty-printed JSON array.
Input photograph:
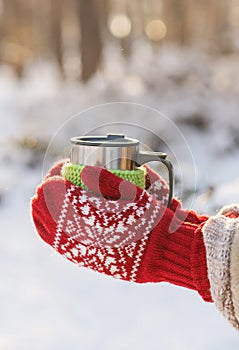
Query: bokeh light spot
[
  {"x": 120, "y": 26},
  {"x": 156, "y": 29}
]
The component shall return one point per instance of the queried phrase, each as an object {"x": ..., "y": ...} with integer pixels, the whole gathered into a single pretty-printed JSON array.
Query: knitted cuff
[
  {"x": 178, "y": 258},
  {"x": 221, "y": 238}
]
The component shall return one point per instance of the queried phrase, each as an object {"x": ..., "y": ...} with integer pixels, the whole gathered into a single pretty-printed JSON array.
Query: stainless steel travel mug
[{"x": 115, "y": 151}]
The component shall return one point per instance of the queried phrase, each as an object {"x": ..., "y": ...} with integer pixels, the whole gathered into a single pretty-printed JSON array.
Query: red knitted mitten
[{"x": 121, "y": 230}]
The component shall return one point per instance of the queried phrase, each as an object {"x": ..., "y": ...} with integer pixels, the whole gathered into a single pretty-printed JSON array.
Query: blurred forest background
[
  {"x": 66, "y": 67},
  {"x": 74, "y": 33}
]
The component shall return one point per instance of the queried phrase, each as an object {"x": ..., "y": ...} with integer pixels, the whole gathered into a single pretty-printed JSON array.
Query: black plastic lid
[{"x": 110, "y": 140}]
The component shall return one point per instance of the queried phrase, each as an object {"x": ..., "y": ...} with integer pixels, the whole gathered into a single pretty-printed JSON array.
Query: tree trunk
[
  {"x": 91, "y": 45},
  {"x": 56, "y": 32}
]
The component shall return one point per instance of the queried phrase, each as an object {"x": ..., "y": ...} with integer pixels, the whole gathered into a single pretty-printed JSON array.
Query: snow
[{"x": 47, "y": 302}]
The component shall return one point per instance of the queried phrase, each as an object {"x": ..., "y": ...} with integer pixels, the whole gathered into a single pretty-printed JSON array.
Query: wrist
[
  {"x": 178, "y": 258},
  {"x": 199, "y": 264}
]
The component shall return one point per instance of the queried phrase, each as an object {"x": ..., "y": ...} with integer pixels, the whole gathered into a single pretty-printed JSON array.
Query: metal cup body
[
  {"x": 113, "y": 151},
  {"x": 122, "y": 158}
]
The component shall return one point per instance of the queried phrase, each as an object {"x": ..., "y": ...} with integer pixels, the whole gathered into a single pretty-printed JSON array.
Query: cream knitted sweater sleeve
[{"x": 221, "y": 238}]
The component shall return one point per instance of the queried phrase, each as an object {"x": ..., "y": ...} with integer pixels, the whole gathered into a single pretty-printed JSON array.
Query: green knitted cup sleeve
[{"x": 71, "y": 172}]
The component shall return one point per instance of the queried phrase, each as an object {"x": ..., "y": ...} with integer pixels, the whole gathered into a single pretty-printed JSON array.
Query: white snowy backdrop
[{"x": 47, "y": 302}]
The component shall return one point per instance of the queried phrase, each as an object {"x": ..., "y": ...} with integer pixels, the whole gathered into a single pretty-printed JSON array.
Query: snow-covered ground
[{"x": 47, "y": 302}]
